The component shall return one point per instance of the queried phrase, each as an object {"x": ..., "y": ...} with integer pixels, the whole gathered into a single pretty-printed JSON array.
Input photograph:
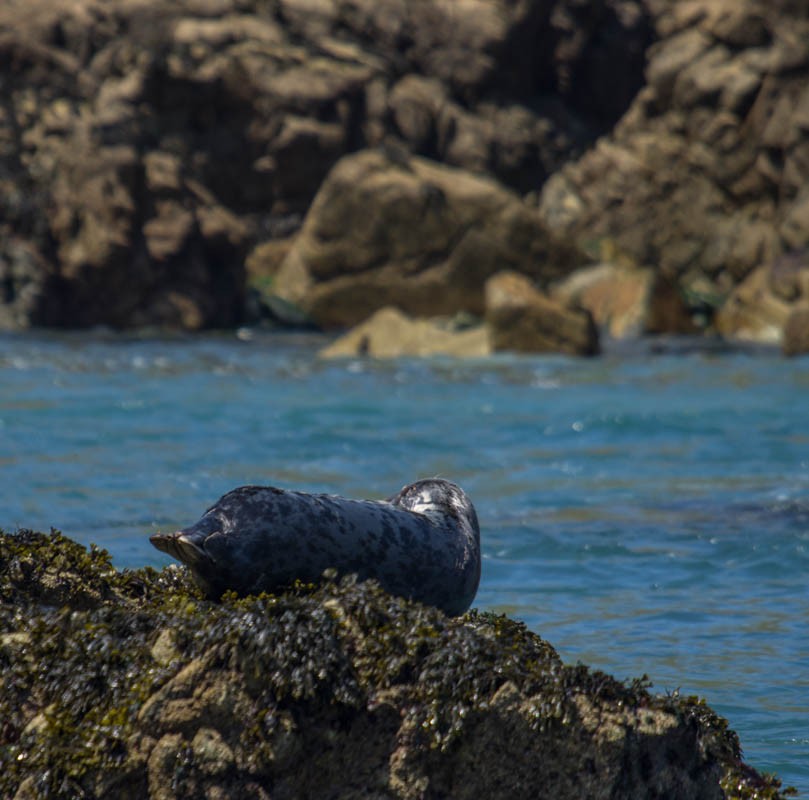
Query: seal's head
[{"x": 436, "y": 498}]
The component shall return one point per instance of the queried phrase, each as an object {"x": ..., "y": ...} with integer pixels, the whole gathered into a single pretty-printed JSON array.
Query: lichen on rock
[{"x": 128, "y": 684}]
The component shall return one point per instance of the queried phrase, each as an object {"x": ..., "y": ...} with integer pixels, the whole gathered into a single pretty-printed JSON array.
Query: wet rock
[
  {"x": 274, "y": 695},
  {"x": 430, "y": 237},
  {"x": 388, "y": 333},
  {"x": 523, "y": 319}
]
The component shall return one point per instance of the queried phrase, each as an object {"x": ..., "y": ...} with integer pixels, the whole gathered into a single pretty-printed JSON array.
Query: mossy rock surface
[{"x": 129, "y": 685}]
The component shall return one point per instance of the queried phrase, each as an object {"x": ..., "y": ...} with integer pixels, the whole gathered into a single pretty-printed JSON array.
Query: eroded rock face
[
  {"x": 759, "y": 309},
  {"x": 704, "y": 178},
  {"x": 147, "y": 146},
  {"x": 796, "y": 332},
  {"x": 626, "y": 302},
  {"x": 129, "y": 685}
]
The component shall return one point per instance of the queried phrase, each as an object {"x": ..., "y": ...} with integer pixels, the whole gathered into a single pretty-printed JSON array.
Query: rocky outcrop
[
  {"x": 518, "y": 318},
  {"x": 389, "y": 333},
  {"x": 758, "y": 309},
  {"x": 146, "y": 147},
  {"x": 429, "y": 237},
  {"x": 522, "y": 319},
  {"x": 704, "y": 178},
  {"x": 150, "y": 150},
  {"x": 129, "y": 685}
]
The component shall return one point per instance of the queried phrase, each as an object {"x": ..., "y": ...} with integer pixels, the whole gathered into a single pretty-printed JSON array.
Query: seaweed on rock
[{"x": 129, "y": 684}]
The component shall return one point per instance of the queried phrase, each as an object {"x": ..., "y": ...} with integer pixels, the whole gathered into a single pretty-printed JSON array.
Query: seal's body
[{"x": 423, "y": 543}]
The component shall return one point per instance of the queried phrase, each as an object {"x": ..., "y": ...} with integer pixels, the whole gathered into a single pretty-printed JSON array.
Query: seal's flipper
[{"x": 182, "y": 547}]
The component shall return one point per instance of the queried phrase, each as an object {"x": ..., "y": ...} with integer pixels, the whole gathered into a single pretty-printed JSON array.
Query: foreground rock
[{"x": 128, "y": 685}]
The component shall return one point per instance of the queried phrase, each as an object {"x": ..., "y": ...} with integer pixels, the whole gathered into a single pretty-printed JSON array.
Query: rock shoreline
[
  {"x": 201, "y": 163},
  {"x": 128, "y": 684}
]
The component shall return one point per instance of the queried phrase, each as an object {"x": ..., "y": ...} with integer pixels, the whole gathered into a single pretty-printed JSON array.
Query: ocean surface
[{"x": 645, "y": 513}]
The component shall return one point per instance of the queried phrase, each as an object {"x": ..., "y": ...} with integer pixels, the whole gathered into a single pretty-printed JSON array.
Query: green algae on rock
[{"x": 128, "y": 684}]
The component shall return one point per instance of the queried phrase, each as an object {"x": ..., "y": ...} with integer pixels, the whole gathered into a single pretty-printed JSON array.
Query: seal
[{"x": 423, "y": 543}]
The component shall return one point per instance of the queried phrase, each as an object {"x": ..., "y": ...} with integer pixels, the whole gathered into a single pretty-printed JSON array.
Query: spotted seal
[{"x": 423, "y": 543}]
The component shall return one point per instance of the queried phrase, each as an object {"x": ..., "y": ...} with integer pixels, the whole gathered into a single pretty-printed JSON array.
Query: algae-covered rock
[{"x": 129, "y": 685}]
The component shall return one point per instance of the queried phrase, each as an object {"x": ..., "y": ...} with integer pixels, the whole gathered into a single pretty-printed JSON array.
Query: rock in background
[
  {"x": 705, "y": 177},
  {"x": 412, "y": 233},
  {"x": 147, "y": 147},
  {"x": 389, "y": 333},
  {"x": 155, "y": 154}
]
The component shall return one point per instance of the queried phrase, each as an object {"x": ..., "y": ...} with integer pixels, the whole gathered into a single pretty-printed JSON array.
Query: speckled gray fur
[{"x": 422, "y": 543}]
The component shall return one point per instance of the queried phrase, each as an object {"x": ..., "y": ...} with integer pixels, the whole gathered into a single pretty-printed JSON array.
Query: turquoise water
[{"x": 645, "y": 514}]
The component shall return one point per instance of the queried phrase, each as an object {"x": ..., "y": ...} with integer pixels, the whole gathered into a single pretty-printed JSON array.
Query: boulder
[
  {"x": 626, "y": 302},
  {"x": 129, "y": 685},
  {"x": 389, "y": 229},
  {"x": 525, "y": 320},
  {"x": 758, "y": 309},
  {"x": 389, "y": 333},
  {"x": 796, "y": 332}
]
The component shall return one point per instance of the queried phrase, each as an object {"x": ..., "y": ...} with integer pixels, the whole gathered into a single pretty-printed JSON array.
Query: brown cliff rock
[
  {"x": 705, "y": 174},
  {"x": 626, "y": 302},
  {"x": 796, "y": 332},
  {"x": 147, "y": 146},
  {"x": 759, "y": 308}
]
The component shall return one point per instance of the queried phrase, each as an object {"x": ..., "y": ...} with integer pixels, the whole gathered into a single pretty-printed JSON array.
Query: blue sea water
[{"x": 644, "y": 513}]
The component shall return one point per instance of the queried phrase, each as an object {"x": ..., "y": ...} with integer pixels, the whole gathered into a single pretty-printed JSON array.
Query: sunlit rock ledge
[{"x": 128, "y": 685}]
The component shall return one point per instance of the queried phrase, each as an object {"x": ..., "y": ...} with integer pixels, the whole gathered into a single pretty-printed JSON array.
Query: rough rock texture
[
  {"x": 626, "y": 302},
  {"x": 758, "y": 309},
  {"x": 705, "y": 177},
  {"x": 128, "y": 685},
  {"x": 796, "y": 332},
  {"x": 146, "y": 146},
  {"x": 150, "y": 149},
  {"x": 389, "y": 333},
  {"x": 429, "y": 237},
  {"x": 522, "y": 319}
]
